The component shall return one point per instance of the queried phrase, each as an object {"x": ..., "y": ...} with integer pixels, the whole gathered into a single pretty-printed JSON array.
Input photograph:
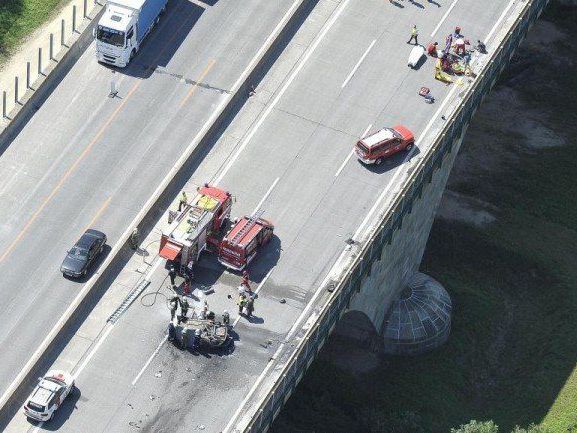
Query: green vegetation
[
  {"x": 19, "y": 18},
  {"x": 477, "y": 427},
  {"x": 512, "y": 354}
]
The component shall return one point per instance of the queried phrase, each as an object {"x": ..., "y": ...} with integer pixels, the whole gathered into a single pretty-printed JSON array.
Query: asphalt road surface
[
  {"x": 86, "y": 160},
  {"x": 290, "y": 148}
]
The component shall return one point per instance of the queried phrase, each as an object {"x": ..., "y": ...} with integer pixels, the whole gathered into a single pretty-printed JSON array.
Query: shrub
[{"x": 477, "y": 427}]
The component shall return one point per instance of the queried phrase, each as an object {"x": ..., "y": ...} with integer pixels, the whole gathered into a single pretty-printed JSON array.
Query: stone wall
[
  {"x": 400, "y": 260},
  {"x": 382, "y": 265}
]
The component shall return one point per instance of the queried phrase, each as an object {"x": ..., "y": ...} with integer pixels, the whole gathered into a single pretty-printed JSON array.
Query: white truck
[{"x": 123, "y": 27}]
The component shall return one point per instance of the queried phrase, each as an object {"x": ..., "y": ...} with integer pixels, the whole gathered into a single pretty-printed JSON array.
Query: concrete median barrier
[{"x": 12, "y": 398}]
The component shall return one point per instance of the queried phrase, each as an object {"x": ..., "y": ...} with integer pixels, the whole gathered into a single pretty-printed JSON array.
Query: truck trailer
[{"x": 123, "y": 27}]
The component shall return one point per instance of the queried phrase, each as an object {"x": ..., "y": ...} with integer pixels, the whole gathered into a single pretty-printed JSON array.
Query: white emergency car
[{"x": 48, "y": 395}]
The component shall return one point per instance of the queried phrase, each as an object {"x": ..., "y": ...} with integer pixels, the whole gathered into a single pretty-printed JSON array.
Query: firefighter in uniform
[
  {"x": 173, "y": 307},
  {"x": 245, "y": 279},
  {"x": 183, "y": 201},
  {"x": 241, "y": 303},
  {"x": 172, "y": 275},
  {"x": 249, "y": 306},
  {"x": 184, "y": 308}
]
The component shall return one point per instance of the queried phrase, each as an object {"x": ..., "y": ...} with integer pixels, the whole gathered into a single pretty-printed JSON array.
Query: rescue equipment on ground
[
  {"x": 425, "y": 92},
  {"x": 415, "y": 55}
]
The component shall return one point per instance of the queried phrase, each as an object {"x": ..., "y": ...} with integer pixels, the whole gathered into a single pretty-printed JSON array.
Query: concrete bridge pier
[{"x": 399, "y": 310}]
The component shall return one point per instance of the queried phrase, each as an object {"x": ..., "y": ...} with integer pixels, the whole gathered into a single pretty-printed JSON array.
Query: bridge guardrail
[{"x": 314, "y": 337}]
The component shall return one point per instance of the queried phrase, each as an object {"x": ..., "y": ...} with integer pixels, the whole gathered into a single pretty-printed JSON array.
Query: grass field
[
  {"x": 512, "y": 354},
  {"x": 18, "y": 18}
]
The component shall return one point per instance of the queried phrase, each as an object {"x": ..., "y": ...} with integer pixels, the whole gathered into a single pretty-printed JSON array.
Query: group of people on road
[
  {"x": 245, "y": 302},
  {"x": 246, "y": 296},
  {"x": 188, "y": 276},
  {"x": 454, "y": 58},
  {"x": 174, "y": 303}
]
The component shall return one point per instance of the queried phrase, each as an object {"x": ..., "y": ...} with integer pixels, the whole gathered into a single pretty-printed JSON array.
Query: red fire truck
[
  {"x": 241, "y": 244},
  {"x": 199, "y": 224}
]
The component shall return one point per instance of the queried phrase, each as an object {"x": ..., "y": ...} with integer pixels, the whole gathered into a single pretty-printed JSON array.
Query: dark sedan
[{"x": 83, "y": 253}]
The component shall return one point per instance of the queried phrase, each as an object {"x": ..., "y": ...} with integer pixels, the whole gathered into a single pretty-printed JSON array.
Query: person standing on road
[
  {"x": 241, "y": 303},
  {"x": 172, "y": 275},
  {"x": 133, "y": 240},
  {"x": 245, "y": 279},
  {"x": 184, "y": 306},
  {"x": 249, "y": 306},
  {"x": 173, "y": 307},
  {"x": 432, "y": 49},
  {"x": 186, "y": 287},
  {"x": 414, "y": 35},
  {"x": 481, "y": 47},
  {"x": 183, "y": 201},
  {"x": 249, "y": 294},
  {"x": 190, "y": 270},
  {"x": 204, "y": 311}
]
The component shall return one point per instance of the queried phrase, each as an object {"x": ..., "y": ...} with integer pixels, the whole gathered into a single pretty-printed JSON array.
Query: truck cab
[
  {"x": 384, "y": 143},
  {"x": 123, "y": 26},
  {"x": 116, "y": 36}
]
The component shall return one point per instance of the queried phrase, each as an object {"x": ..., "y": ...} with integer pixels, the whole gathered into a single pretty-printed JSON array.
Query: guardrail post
[
  {"x": 62, "y": 31},
  {"x": 28, "y": 75},
  {"x": 51, "y": 47},
  {"x": 16, "y": 89},
  {"x": 85, "y": 5},
  {"x": 39, "y": 61},
  {"x": 73, "y": 18},
  {"x": 4, "y": 104}
]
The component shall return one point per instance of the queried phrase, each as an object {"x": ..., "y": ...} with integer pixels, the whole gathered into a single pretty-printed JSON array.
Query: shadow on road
[
  {"x": 64, "y": 412},
  {"x": 417, "y": 4},
  {"x": 391, "y": 163}
]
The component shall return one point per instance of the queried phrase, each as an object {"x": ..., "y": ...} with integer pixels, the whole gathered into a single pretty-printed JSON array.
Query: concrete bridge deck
[
  {"x": 289, "y": 150},
  {"x": 85, "y": 159}
]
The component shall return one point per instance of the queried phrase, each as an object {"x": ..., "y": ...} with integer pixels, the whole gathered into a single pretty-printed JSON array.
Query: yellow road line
[
  {"x": 67, "y": 174},
  {"x": 204, "y": 73},
  {"x": 102, "y": 209},
  {"x": 89, "y": 148}
]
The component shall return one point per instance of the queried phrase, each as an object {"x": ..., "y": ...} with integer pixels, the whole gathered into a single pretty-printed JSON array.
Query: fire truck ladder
[{"x": 249, "y": 225}]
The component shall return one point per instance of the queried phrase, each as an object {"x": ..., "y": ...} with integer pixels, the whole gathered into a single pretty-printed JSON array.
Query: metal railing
[
  {"x": 412, "y": 189},
  {"x": 16, "y": 92}
]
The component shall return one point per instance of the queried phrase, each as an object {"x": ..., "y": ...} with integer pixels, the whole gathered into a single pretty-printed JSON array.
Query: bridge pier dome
[{"x": 420, "y": 319}]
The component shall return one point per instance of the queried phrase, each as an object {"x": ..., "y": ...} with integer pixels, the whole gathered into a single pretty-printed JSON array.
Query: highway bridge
[{"x": 348, "y": 237}]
